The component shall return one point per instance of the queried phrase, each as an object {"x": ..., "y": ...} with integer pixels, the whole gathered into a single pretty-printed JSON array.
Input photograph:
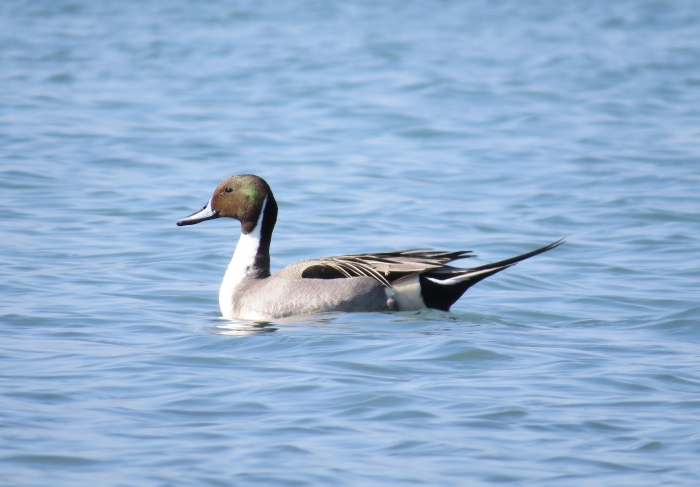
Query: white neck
[{"x": 240, "y": 266}]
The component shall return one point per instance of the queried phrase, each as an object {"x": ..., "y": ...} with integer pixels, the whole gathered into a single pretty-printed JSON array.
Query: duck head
[{"x": 243, "y": 197}]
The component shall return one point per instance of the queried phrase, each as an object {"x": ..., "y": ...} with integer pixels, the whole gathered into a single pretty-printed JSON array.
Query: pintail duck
[{"x": 404, "y": 280}]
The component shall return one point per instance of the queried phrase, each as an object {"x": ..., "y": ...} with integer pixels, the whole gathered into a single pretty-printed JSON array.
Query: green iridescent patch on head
[
  {"x": 248, "y": 185},
  {"x": 251, "y": 192},
  {"x": 255, "y": 188}
]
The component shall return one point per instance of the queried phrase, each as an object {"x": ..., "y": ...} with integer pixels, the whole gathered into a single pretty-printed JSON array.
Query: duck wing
[{"x": 387, "y": 268}]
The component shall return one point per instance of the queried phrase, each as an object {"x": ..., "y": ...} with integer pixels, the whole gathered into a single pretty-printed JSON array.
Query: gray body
[{"x": 286, "y": 293}]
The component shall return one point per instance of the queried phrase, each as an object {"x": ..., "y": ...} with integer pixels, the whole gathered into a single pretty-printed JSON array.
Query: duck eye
[{"x": 228, "y": 190}]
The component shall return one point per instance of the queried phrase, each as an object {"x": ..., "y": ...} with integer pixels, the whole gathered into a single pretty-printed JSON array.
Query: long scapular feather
[
  {"x": 360, "y": 269},
  {"x": 389, "y": 268}
]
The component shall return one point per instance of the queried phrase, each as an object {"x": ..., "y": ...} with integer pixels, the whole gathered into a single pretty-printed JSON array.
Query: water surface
[{"x": 492, "y": 126}]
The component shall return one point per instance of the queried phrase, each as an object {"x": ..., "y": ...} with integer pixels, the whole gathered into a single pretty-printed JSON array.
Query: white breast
[{"x": 240, "y": 266}]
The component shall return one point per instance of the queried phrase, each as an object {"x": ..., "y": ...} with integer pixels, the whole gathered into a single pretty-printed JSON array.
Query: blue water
[{"x": 492, "y": 126}]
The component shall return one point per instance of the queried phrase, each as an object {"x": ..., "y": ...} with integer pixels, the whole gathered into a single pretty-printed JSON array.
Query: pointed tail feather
[
  {"x": 442, "y": 287},
  {"x": 514, "y": 260}
]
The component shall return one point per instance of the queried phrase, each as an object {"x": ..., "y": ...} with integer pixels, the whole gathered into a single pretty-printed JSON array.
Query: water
[{"x": 492, "y": 126}]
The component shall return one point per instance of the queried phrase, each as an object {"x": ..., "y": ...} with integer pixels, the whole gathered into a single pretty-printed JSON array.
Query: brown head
[{"x": 241, "y": 197}]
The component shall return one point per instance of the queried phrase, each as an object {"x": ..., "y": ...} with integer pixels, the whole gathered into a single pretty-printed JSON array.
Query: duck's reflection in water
[{"x": 242, "y": 328}]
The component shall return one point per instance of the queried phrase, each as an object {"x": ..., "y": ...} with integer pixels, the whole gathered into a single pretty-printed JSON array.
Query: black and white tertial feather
[
  {"x": 384, "y": 267},
  {"x": 441, "y": 285}
]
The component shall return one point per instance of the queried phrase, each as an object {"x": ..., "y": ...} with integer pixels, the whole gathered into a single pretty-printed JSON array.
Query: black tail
[{"x": 442, "y": 287}]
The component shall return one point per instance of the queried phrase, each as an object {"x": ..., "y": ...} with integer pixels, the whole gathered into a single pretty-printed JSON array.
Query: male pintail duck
[{"x": 404, "y": 280}]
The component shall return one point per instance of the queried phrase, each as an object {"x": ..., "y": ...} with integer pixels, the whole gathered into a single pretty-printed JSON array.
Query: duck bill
[{"x": 206, "y": 213}]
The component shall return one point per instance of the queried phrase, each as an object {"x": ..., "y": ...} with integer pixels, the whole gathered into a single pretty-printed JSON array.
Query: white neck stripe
[{"x": 241, "y": 264}]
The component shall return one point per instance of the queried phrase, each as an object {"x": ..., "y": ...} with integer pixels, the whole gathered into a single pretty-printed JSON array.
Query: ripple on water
[{"x": 496, "y": 127}]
